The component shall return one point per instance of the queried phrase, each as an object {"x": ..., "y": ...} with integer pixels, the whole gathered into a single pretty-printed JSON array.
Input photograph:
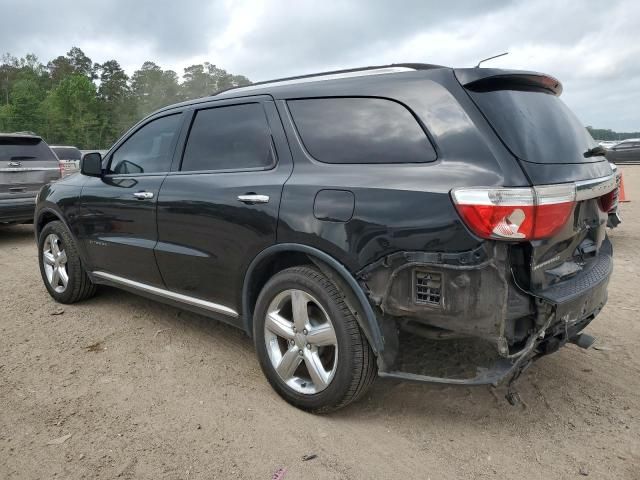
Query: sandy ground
[{"x": 120, "y": 386}]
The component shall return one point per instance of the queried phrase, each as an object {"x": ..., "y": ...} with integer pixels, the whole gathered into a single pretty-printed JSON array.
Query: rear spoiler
[{"x": 489, "y": 79}]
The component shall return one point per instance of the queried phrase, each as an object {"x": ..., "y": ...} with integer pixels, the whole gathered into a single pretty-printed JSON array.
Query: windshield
[
  {"x": 24, "y": 149},
  {"x": 536, "y": 126}
]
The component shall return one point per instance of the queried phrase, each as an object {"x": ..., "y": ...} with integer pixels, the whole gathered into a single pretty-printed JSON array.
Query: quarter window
[
  {"x": 229, "y": 138},
  {"x": 360, "y": 130},
  {"x": 150, "y": 149}
]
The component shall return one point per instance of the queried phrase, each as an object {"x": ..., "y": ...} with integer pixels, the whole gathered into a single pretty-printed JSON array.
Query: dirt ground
[{"x": 120, "y": 386}]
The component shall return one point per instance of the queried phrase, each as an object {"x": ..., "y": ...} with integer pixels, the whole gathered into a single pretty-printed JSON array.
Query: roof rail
[{"x": 335, "y": 74}]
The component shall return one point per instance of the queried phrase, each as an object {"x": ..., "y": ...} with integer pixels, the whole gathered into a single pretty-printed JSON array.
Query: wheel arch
[
  {"x": 47, "y": 215},
  {"x": 290, "y": 254}
]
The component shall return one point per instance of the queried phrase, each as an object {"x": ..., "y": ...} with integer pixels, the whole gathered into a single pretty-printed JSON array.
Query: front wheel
[
  {"x": 309, "y": 344},
  {"x": 62, "y": 272}
]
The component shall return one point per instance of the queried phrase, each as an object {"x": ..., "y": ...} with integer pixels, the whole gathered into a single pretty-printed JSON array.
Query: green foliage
[
  {"x": 607, "y": 134},
  {"x": 205, "y": 79},
  {"x": 74, "y": 101}
]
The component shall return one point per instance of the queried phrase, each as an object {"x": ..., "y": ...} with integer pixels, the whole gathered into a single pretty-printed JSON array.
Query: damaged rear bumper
[{"x": 469, "y": 305}]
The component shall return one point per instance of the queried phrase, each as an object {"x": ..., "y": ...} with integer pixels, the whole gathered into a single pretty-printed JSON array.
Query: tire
[
  {"x": 343, "y": 363},
  {"x": 78, "y": 285}
]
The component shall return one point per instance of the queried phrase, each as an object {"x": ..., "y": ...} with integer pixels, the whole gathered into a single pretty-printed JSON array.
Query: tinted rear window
[
  {"x": 24, "y": 149},
  {"x": 67, "y": 153},
  {"x": 229, "y": 138},
  {"x": 536, "y": 126},
  {"x": 360, "y": 130}
]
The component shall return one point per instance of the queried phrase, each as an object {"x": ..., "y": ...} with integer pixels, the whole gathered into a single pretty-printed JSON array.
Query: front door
[
  {"x": 219, "y": 209},
  {"x": 118, "y": 226}
]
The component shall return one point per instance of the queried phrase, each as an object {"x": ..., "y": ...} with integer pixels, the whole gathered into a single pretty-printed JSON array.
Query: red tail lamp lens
[
  {"x": 515, "y": 213},
  {"x": 608, "y": 201}
]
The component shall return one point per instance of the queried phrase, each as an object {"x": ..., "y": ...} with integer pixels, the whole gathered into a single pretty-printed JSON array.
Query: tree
[
  {"x": 24, "y": 111},
  {"x": 81, "y": 64},
  {"x": 154, "y": 88},
  {"x": 71, "y": 108},
  {"x": 71, "y": 100},
  {"x": 75, "y": 62},
  {"x": 117, "y": 110},
  {"x": 205, "y": 79}
]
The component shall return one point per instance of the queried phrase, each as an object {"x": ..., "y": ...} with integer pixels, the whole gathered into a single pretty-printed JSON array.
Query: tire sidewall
[
  {"x": 341, "y": 381},
  {"x": 73, "y": 262}
]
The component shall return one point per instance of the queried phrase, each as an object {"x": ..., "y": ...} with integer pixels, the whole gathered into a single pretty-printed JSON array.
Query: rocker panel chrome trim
[{"x": 178, "y": 297}]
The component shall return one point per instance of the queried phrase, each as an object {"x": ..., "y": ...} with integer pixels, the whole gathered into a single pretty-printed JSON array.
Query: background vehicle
[
  {"x": 101, "y": 152},
  {"x": 614, "y": 218},
  {"x": 26, "y": 164},
  {"x": 350, "y": 218},
  {"x": 608, "y": 143},
  {"x": 626, "y": 151},
  {"x": 69, "y": 158}
]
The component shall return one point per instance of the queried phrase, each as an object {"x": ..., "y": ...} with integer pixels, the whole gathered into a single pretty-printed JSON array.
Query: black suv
[{"x": 411, "y": 221}]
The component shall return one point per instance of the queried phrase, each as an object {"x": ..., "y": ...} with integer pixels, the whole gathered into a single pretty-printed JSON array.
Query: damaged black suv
[{"x": 410, "y": 221}]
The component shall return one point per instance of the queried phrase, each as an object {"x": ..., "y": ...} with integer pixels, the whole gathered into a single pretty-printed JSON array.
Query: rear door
[
  {"x": 26, "y": 164},
  {"x": 118, "y": 226},
  {"x": 219, "y": 208}
]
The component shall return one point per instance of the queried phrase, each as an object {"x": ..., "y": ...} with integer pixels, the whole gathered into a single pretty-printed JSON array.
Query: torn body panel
[{"x": 463, "y": 319}]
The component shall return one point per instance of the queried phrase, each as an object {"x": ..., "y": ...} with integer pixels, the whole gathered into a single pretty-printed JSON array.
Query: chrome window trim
[
  {"x": 318, "y": 78},
  {"x": 586, "y": 189},
  {"x": 161, "y": 292}
]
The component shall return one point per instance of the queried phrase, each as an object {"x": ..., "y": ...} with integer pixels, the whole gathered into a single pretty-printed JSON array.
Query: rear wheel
[
  {"x": 60, "y": 266},
  {"x": 310, "y": 346}
]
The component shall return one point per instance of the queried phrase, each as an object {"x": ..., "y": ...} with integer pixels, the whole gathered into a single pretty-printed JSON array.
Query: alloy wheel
[
  {"x": 301, "y": 341},
  {"x": 54, "y": 259}
]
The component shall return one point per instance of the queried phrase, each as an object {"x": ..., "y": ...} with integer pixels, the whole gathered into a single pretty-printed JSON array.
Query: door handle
[
  {"x": 143, "y": 195},
  {"x": 252, "y": 198}
]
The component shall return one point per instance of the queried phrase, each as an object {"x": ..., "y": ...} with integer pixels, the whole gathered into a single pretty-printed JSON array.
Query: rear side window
[
  {"x": 67, "y": 153},
  {"x": 229, "y": 138},
  {"x": 150, "y": 149},
  {"x": 24, "y": 149},
  {"x": 360, "y": 130}
]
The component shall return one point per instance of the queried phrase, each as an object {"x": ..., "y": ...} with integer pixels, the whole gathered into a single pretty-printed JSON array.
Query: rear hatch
[
  {"x": 26, "y": 164},
  {"x": 552, "y": 147}
]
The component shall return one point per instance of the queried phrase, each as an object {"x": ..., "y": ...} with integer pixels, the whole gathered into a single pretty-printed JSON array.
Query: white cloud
[{"x": 593, "y": 48}]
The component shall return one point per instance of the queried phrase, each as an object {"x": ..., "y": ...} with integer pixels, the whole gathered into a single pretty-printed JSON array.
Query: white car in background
[
  {"x": 69, "y": 158},
  {"x": 608, "y": 143}
]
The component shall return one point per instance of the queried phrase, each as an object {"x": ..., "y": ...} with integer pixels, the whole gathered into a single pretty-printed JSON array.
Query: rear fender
[{"x": 354, "y": 295}]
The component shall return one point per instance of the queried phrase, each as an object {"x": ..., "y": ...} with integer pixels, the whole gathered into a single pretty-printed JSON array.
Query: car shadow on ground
[{"x": 10, "y": 234}]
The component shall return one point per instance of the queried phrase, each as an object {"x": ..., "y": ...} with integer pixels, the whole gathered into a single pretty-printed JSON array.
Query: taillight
[
  {"x": 515, "y": 213},
  {"x": 61, "y": 168},
  {"x": 608, "y": 200}
]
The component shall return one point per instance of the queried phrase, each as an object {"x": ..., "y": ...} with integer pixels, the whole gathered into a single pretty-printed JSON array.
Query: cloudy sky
[{"x": 593, "y": 47}]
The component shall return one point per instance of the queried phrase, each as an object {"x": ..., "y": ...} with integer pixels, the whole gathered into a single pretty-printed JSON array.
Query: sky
[{"x": 593, "y": 47}]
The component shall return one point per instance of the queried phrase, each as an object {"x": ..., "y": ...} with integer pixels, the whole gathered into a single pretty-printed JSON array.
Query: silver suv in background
[
  {"x": 26, "y": 164},
  {"x": 69, "y": 157}
]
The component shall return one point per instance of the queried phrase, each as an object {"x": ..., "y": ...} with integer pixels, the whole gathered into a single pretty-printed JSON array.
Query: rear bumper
[
  {"x": 481, "y": 315},
  {"x": 17, "y": 209},
  {"x": 586, "y": 292}
]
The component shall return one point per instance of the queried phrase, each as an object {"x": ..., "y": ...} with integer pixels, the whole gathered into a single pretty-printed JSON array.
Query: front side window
[
  {"x": 150, "y": 149},
  {"x": 229, "y": 138},
  {"x": 360, "y": 130}
]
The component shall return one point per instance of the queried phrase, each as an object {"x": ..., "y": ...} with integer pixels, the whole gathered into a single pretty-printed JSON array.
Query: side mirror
[{"x": 91, "y": 164}]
